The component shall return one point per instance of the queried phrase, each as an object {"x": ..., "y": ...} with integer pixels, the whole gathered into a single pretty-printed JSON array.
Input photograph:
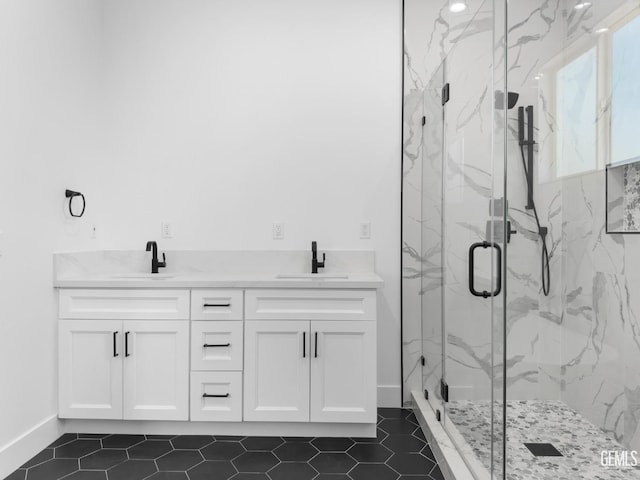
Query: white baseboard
[
  {"x": 18, "y": 451},
  {"x": 389, "y": 396}
]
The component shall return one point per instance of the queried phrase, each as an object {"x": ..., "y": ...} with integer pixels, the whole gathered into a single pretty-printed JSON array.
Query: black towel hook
[{"x": 70, "y": 194}]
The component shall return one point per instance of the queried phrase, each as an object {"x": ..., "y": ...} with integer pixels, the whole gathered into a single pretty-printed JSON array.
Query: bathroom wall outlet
[
  {"x": 278, "y": 231},
  {"x": 167, "y": 230},
  {"x": 365, "y": 230}
]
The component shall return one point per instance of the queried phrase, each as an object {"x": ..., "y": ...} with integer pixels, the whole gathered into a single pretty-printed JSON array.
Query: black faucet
[
  {"x": 155, "y": 264},
  {"x": 315, "y": 264}
]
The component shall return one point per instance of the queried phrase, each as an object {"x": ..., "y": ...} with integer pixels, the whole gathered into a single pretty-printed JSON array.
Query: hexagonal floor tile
[
  {"x": 403, "y": 443},
  {"x": 332, "y": 444},
  {"x": 255, "y": 462},
  {"x": 222, "y": 451},
  {"x": 132, "y": 470},
  {"x": 191, "y": 442},
  {"x": 212, "y": 470},
  {"x": 178, "y": 460},
  {"x": 436, "y": 473},
  {"x": 43, "y": 456},
  {"x": 411, "y": 464},
  {"x": 250, "y": 476},
  {"x": 336, "y": 462},
  {"x": 169, "y": 476},
  {"x": 369, "y": 471},
  {"x": 103, "y": 459},
  {"x": 19, "y": 474},
  {"x": 55, "y": 468},
  {"x": 293, "y": 471},
  {"x": 295, "y": 452},
  {"x": 66, "y": 438},
  {"x": 77, "y": 448},
  {"x": 87, "y": 475},
  {"x": 380, "y": 435},
  {"x": 369, "y": 453},
  {"x": 397, "y": 425},
  {"x": 149, "y": 449},
  {"x": 393, "y": 412},
  {"x": 121, "y": 441},
  {"x": 261, "y": 443},
  {"x": 333, "y": 476},
  {"x": 427, "y": 452}
]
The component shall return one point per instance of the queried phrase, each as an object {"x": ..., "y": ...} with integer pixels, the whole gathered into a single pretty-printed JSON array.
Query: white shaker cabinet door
[
  {"x": 156, "y": 370},
  {"x": 343, "y": 372},
  {"x": 276, "y": 371},
  {"x": 90, "y": 369}
]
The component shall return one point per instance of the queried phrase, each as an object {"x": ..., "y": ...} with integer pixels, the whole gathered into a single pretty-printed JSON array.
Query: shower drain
[{"x": 543, "y": 449}]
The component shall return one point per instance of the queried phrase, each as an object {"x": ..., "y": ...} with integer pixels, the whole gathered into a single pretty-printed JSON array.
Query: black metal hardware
[
  {"x": 444, "y": 390},
  {"x": 155, "y": 264},
  {"x": 70, "y": 194},
  {"x": 207, "y": 395},
  {"x": 426, "y": 394},
  {"x": 207, "y": 345},
  {"x": 495, "y": 230},
  {"x": 126, "y": 344},
  {"x": 424, "y": 121},
  {"x": 316, "y": 346},
  {"x": 445, "y": 93},
  {"x": 472, "y": 249},
  {"x": 115, "y": 350},
  {"x": 528, "y": 142},
  {"x": 438, "y": 416},
  {"x": 216, "y": 305},
  {"x": 315, "y": 264},
  {"x": 304, "y": 344},
  {"x": 422, "y": 360}
]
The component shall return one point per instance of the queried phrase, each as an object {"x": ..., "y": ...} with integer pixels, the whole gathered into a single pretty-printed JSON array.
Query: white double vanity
[{"x": 258, "y": 347}]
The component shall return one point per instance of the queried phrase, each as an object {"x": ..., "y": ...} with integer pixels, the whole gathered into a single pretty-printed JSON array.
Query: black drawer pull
[
  {"x": 304, "y": 344},
  {"x": 216, "y": 305},
  {"x": 207, "y": 395},
  {"x": 126, "y": 344},
  {"x": 316, "y": 342},
  {"x": 207, "y": 345},
  {"x": 115, "y": 350}
]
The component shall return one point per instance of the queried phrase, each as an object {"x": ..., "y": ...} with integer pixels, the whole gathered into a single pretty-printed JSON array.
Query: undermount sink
[
  {"x": 143, "y": 276},
  {"x": 313, "y": 276}
]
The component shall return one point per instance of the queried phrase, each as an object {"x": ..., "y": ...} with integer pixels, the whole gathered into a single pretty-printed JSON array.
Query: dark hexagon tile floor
[{"x": 399, "y": 452}]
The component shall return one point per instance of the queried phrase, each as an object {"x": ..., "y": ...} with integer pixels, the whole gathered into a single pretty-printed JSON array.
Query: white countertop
[{"x": 223, "y": 280}]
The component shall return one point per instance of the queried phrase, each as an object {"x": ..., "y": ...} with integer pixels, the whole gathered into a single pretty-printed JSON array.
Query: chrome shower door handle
[{"x": 472, "y": 289}]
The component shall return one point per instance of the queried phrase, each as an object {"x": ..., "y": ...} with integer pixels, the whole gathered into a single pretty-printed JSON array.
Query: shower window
[
  {"x": 625, "y": 95},
  {"x": 576, "y": 98}
]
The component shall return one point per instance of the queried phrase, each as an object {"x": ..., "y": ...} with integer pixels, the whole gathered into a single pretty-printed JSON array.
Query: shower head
[{"x": 512, "y": 99}]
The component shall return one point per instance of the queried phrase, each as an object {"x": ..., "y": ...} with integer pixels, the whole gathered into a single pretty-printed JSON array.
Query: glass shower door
[{"x": 431, "y": 240}]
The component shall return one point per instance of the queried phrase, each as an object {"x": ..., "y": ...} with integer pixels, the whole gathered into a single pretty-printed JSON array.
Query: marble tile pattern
[
  {"x": 631, "y": 197},
  {"x": 539, "y": 421},
  {"x": 581, "y": 344}
]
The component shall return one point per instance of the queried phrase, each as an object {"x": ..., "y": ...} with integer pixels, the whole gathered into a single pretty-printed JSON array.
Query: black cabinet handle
[
  {"x": 207, "y": 345},
  {"x": 126, "y": 344},
  {"x": 216, "y": 305},
  {"x": 472, "y": 249},
  {"x": 304, "y": 344},
  {"x": 115, "y": 350},
  {"x": 207, "y": 395},
  {"x": 316, "y": 345}
]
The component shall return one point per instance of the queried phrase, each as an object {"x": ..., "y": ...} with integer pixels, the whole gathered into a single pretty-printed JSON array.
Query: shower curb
[{"x": 450, "y": 461}]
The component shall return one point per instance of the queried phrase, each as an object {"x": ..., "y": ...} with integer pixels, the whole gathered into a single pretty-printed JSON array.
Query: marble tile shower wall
[{"x": 581, "y": 344}]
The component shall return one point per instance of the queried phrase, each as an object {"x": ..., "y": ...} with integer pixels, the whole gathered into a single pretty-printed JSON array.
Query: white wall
[
  {"x": 48, "y": 80},
  {"x": 221, "y": 116},
  {"x": 226, "y": 116}
]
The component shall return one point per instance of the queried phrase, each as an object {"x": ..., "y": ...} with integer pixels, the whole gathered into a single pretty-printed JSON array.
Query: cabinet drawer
[
  {"x": 216, "y": 396},
  {"x": 216, "y": 345},
  {"x": 124, "y": 304},
  {"x": 310, "y": 304},
  {"x": 216, "y": 304}
]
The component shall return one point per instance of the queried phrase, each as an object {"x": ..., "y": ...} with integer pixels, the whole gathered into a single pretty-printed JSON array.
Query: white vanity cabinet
[
  {"x": 310, "y": 356},
  {"x": 124, "y": 354}
]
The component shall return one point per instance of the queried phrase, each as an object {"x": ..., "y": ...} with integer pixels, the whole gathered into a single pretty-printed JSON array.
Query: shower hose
[{"x": 546, "y": 279}]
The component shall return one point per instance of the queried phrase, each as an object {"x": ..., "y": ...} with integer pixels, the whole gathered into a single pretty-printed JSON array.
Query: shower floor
[{"x": 578, "y": 440}]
